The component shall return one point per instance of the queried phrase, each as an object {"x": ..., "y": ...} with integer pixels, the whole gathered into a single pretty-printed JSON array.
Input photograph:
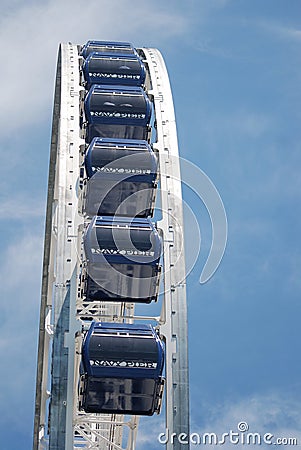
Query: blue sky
[{"x": 235, "y": 72}]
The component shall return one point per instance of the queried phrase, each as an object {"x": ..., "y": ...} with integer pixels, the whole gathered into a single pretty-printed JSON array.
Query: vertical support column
[
  {"x": 59, "y": 369},
  {"x": 174, "y": 313},
  {"x": 46, "y": 291},
  {"x": 65, "y": 221}
]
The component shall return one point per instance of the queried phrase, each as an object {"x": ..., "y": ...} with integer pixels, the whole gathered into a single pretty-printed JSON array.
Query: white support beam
[{"x": 174, "y": 312}]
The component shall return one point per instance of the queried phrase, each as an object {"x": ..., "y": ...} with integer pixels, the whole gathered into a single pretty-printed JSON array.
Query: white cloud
[
  {"x": 280, "y": 31},
  {"x": 208, "y": 5},
  {"x": 277, "y": 413},
  {"x": 20, "y": 274},
  {"x": 31, "y": 36},
  {"x": 236, "y": 126},
  {"x": 149, "y": 429},
  {"x": 209, "y": 46},
  {"x": 22, "y": 207}
]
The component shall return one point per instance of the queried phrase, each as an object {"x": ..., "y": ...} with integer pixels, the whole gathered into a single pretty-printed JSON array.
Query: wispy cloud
[
  {"x": 33, "y": 59},
  {"x": 275, "y": 412},
  {"x": 211, "y": 47},
  {"x": 22, "y": 207},
  {"x": 208, "y": 5},
  {"x": 149, "y": 430},
  {"x": 19, "y": 270},
  {"x": 240, "y": 124},
  {"x": 279, "y": 30},
  {"x": 20, "y": 298}
]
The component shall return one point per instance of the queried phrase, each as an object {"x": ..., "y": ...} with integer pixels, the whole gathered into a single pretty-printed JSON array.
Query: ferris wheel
[{"x": 113, "y": 248}]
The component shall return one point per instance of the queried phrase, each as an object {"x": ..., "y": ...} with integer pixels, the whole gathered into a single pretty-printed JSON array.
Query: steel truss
[{"x": 59, "y": 424}]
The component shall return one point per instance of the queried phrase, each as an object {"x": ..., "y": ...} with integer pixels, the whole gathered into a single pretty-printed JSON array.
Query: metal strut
[{"x": 174, "y": 320}]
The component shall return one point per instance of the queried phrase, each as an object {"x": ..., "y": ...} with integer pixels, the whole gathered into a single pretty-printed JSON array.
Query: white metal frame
[
  {"x": 173, "y": 318},
  {"x": 60, "y": 325}
]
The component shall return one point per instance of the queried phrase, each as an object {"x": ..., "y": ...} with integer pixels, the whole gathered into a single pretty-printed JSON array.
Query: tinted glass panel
[
  {"x": 123, "y": 348},
  {"x": 105, "y": 197},
  {"x": 139, "y": 239},
  {"x": 116, "y": 132},
  {"x": 105, "y": 69},
  {"x": 115, "y": 395},
  {"x": 108, "y": 283},
  {"x": 106, "y": 47},
  {"x": 124, "y": 158},
  {"x": 126, "y": 105}
]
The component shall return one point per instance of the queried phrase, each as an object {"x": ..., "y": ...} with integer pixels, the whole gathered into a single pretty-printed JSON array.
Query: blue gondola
[
  {"x": 122, "y": 259},
  {"x": 121, "y": 48},
  {"x": 120, "y": 178},
  {"x": 122, "y": 368},
  {"x": 117, "y": 112},
  {"x": 101, "y": 68}
]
